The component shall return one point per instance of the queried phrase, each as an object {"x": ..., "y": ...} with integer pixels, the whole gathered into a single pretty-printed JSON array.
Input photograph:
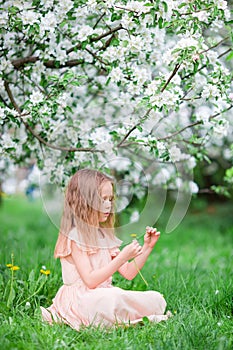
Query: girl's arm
[
  {"x": 92, "y": 278},
  {"x": 129, "y": 270}
]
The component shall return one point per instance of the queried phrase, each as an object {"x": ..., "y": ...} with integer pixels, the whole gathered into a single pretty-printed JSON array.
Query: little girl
[{"x": 89, "y": 254}]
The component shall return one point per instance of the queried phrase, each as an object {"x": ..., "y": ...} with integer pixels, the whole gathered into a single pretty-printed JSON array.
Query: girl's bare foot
[{"x": 169, "y": 314}]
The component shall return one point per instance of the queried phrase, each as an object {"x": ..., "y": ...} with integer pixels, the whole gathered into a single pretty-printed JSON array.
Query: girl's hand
[
  {"x": 151, "y": 237},
  {"x": 131, "y": 251}
]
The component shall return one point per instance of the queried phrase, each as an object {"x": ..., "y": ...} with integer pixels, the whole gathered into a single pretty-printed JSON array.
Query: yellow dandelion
[
  {"x": 133, "y": 235},
  {"x": 15, "y": 268},
  {"x": 9, "y": 265},
  {"x": 45, "y": 272}
]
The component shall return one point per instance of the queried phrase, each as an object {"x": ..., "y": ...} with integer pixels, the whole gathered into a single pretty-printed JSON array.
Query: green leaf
[
  {"x": 84, "y": 44},
  {"x": 182, "y": 5},
  {"x": 165, "y": 6},
  {"x": 160, "y": 23},
  {"x": 75, "y": 83},
  {"x": 11, "y": 297},
  {"x": 115, "y": 42},
  {"x": 108, "y": 81},
  {"x": 115, "y": 17},
  {"x": 53, "y": 77},
  {"x": 13, "y": 10},
  {"x": 68, "y": 75},
  {"x": 145, "y": 320},
  {"x": 139, "y": 127},
  {"x": 195, "y": 68},
  {"x": 230, "y": 56},
  {"x": 31, "y": 277}
]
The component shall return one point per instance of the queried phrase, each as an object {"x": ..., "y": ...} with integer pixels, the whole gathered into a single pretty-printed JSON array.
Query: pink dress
[{"x": 75, "y": 304}]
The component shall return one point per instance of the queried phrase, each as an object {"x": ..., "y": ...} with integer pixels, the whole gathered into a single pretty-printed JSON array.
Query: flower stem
[
  {"x": 36, "y": 292},
  {"x": 137, "y": 268},
  {"x": 11, "y": 293}
]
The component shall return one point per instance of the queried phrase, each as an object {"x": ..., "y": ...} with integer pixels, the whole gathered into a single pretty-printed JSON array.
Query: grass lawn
[{"x": 192, "y": 267}]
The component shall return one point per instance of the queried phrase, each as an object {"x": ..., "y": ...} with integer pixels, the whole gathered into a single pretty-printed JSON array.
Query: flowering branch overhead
[{"x": 87, "y": 81}]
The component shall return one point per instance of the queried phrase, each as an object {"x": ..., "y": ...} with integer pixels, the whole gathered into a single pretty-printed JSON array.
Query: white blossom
[
  {"x": 30, "y": 17},
  {"x": 162, "y": 177},
  {"x": 221, "y": 129},
  {"x": 193, "y": 187},
  {"x": 84, "y": 32},
  {"x": 209, "y": 91},
  {"x": 176, "y": 155},
  {"x": 116, "y": 74},
  {"x": 129, "y": 81},
  {"x": 36, "y": 97},
  {"x": 48, "y": 22},
  {"x": 134, "y": 216},
  {"x": 5, "y": 65},
  {"x": 221, "y": 4},
  {"x": 7, "y": 141}
]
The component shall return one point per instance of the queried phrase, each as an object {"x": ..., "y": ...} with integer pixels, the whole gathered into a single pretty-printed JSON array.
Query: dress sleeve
[
  {"x": 75, "y": 236},
  {"x": 63, "y": 247}
]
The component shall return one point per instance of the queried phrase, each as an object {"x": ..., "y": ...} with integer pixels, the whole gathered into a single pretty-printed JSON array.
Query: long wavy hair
[{"x": 81, "y": 207}]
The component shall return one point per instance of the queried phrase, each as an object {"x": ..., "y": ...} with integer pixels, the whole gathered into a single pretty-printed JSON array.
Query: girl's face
[{"x": 106, "y": 193}]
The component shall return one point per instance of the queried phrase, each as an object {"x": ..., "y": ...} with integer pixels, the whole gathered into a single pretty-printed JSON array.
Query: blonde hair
[{"x": 81, "y": 208}]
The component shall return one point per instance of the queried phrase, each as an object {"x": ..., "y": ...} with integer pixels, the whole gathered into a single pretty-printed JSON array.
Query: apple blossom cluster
[{"x": 133, "y": 87}]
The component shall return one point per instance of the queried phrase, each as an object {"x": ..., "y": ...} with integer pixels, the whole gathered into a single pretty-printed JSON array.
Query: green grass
[{"x": 192, "y": 267}]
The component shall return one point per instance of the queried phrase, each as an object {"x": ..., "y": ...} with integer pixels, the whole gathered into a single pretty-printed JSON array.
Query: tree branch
[
  {"x": 38, "y": 137},
  {"x": 205, "y": 65},
  {"x": 96, "y": 57},
  {"x": 150, "y": 109},
  {"x": 193, "y": 124},
  {"x": 212, "y": 47},
  {"x": 94, "y": 39},
  {"x": 127, "y": 135},
  {"x": 20, "y": 62},
  {"x": 11, "y": 97},
  {"x": 171, "y": 76},
  {"x": 99, "y": 19}
]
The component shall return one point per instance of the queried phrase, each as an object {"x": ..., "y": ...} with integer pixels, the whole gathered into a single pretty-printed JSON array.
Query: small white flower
[
  {"x": 191, "y": 163},
  {"x": 134, "y": 216},
  {"x": 7, "y": 142},
  {"x": 27, "y": 305},
  {"x": 221, "y": 130},
  {"x": 219, "y": 324},
  {"x": 193, "y": 187},
  {"x": 212, "y": 56},
  {"x": 84, "y": 32},
  {"x": 36, "y": 97},
  {"x": 29, "y": 17},
  {"x": 216, "y": 292},
  {"x": 2, "y": 112},
  {"x": 116, "y": 74},
  {"x": 221, "y": 4},
  {"x": 178, "y": 182},
  {"x": 5, "y": 65},
  {"x": 202, "y": 16},
  {"x": 210, "y": 91},
  {"x": 50, "y": 20},
  {"x": 176, "y": 154}
]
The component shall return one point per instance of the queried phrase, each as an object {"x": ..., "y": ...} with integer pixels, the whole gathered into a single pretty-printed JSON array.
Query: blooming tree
[{"x": 139, "y": 87}]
